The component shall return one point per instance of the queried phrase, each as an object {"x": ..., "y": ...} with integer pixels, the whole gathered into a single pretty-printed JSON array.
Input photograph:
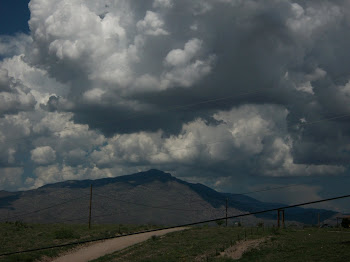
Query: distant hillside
[{"x": 146, "y": 197}]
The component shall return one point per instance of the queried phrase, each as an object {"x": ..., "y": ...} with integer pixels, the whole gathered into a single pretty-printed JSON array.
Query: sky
[{"x": 237, "y": 95}]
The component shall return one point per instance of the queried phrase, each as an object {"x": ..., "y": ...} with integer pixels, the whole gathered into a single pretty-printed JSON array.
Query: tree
[
  {"x": 345, "y": 222},
  {"x": 220, "y": 222}
]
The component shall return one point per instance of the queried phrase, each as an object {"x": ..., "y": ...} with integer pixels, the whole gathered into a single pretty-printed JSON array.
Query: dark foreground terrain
[
  {"x": 204, "y": 243},
  {"x": 209, "y": 244}
]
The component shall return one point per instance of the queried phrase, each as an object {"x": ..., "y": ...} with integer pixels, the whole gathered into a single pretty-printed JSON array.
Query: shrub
[
  {"x": 154, "y": 237},
  {"x": 345, "y": 222},
  {"x": 220, "y": 222}
]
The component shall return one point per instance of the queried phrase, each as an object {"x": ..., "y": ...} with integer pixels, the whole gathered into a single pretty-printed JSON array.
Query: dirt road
[
  {"x": 236, "y": 251},
  {"x": 99, "y": 249}
]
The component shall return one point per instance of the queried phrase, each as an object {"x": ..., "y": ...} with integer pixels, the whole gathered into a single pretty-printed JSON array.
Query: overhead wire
[
  {"x": 166, "y": 207},
  {"x": 223, "y": 199},
  {"x": 220, "y": 141},
  {"x": 177, "y": 226}
]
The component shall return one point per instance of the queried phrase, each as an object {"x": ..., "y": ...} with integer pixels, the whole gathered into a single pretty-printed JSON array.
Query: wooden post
[
  {"x": 278, "y": 218},
  {"x": 90, "y": 206},
  {"x": 318, "y": 219},
  {"x": 226, "y": 211},
  {"x": 283, "y": 226}
]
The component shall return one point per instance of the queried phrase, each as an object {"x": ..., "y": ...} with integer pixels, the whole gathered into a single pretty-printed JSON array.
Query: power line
[
  {"x": 174, "y": 204},
  {"x": 300, "y": 124},
  {"x": 138, "y": 204},
  {"x": 183, "y": 225}
]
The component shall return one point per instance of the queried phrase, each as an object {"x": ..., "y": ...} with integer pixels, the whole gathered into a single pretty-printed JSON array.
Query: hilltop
[{"x": 152, "y": 196}]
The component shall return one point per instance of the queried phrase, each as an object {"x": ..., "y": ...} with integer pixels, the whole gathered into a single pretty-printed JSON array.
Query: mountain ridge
[{"x": 133, "y": 186}]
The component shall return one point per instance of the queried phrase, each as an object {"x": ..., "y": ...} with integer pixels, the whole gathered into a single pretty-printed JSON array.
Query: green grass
[
  {"x": 196, "y": 243},
  {"x": 205, "y": 243},
  {"x": 16, "y": 236},
  {"x": 310, "y": 244}
]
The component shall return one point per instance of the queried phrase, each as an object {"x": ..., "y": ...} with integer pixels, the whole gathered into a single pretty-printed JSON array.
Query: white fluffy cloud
[
  {"x": 163, "y": 3},
  {"x": 308, "y": 21},
  {"x": 14, "y": 96},
  {"x": 14, "y": 45},
  {"x": 98, "y": 89},
  {"x": 185, "y": 68},
  {"x": 43, "y": 155},
  {"x": 243, "y": 133},
  {"x": 57, "y": 173},
  {"x": 10, "y": 178},
  {"x": 152, "y": 24}
]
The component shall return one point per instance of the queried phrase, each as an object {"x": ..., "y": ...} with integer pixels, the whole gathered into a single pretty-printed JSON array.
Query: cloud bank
[{"x": 203, "y": 89}]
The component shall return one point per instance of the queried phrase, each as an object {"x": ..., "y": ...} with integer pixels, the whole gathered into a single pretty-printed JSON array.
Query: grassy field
[
  {"x": 310, "y": 244},
  {"x": 16, "y": 236},
  {"x": 205, "y": 244},
  {"x": 195, "y": 244}
]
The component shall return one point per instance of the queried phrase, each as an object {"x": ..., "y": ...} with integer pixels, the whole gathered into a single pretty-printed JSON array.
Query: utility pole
[
  {"x": 226, "y": 211},
  {"x": 90, "y": 206}
]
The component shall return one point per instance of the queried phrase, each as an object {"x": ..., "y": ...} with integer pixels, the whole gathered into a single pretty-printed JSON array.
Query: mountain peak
[
  {"x": 155, "y": 173},
  {"x": 137, "y": 178}
]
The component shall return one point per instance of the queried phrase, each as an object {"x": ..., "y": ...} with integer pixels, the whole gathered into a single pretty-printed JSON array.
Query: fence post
[
  {"x": 90, "y": 206},
  {"x": 226, "y": 211}
]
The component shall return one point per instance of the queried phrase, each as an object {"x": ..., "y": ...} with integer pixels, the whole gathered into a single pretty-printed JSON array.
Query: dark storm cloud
[
  {"x": 255, "y": 44},
  {"x": 160, "y": 83},
  {"x": 251, "y": 58}
]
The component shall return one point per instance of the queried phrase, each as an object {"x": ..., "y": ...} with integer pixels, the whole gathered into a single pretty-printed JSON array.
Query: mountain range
[{"x": 153, "y": 196}]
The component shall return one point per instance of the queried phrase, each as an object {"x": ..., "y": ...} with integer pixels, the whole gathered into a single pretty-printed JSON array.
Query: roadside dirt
[
  {"x": 99, "y": 249},
  {"x": 236, "y": 251}
]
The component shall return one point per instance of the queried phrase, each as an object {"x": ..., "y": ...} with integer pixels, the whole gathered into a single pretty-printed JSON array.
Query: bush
[
  {"x": 154, "y": 237},
  {"x": 220, "y": 222},
  {"x": 345, "y": 222}
]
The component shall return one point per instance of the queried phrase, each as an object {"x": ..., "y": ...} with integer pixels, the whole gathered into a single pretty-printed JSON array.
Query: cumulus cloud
[
  {"x": 14, "y": 45},
  {"x": 151, "y": 25},
  {"x": 102, "y": 88},
  {"x": 185, "y": 69},
  {"x": 163, "y": 3},
  {"x": 43, "y": 155},
  {"x": 57, "y": 173},
  {"x": 14, "y": 96},
  {"x": 10, "y": 178},
  {"x": 241, "y": 134}
]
